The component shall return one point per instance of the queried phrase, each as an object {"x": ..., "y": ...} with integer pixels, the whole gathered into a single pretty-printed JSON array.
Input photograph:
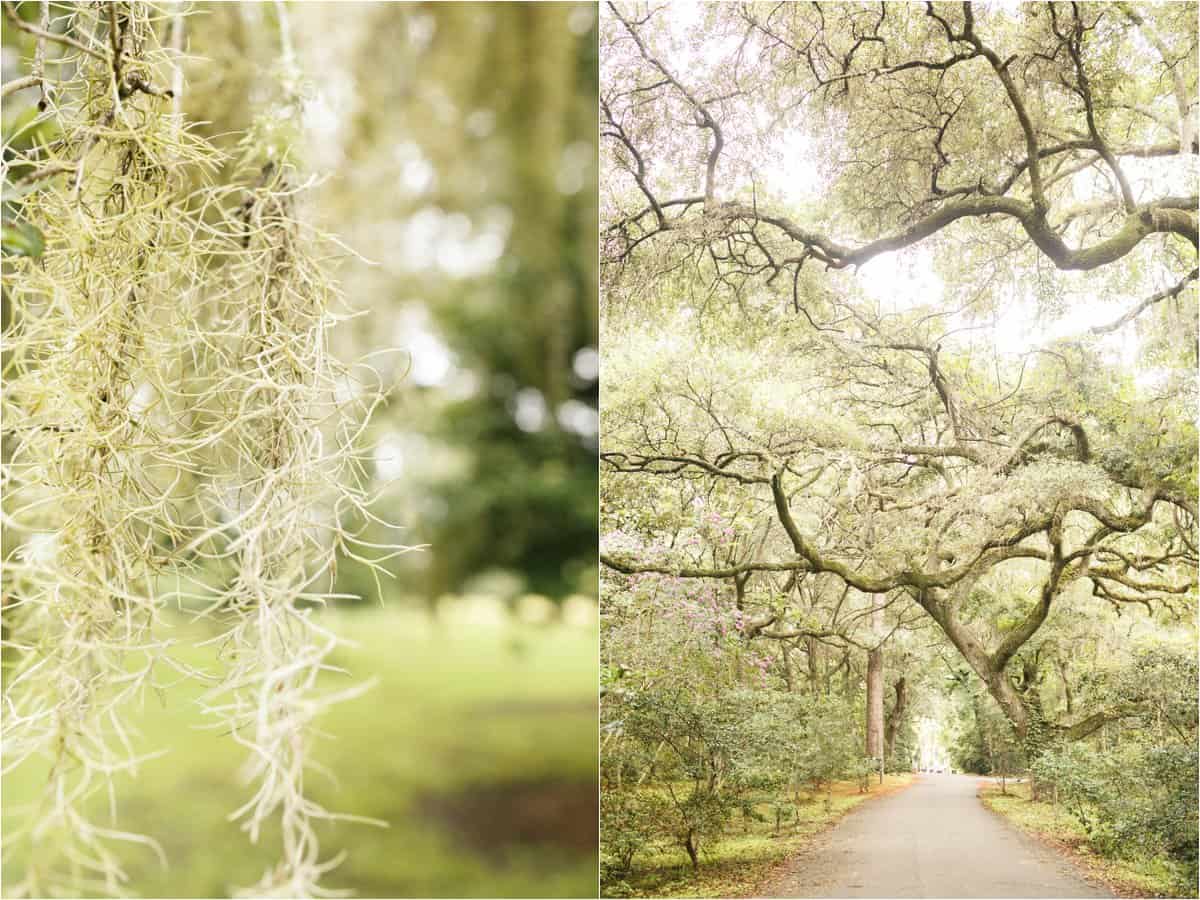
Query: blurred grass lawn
[{"x": 478, "y": 745}]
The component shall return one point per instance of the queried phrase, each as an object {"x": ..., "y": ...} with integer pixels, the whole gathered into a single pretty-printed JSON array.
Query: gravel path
[{"x": 933, "y": 839}]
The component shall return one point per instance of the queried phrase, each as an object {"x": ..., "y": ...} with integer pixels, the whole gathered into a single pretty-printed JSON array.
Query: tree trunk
[
  {"x": 875, "y": 704},
  {"x": 690, "y": 846},
  {"x": 998, "y": 685},
  {"x": 894, "y": 718},
  {"x": 1062, "y": 671},
  {"x": 847, "y": 675},
  {"x": 875, "y": 690}
]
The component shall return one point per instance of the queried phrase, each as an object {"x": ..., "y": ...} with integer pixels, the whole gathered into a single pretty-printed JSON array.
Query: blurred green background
[
  {"x": 456, "y": 150},
  {"x": 477, "y": 746}
]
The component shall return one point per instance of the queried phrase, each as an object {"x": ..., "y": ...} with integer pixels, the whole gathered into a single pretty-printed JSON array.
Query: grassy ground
[
  {"x": 1055, "y": 826},
  {"x": 749, "y": 853},
  {"x": 478, "y": 746}
]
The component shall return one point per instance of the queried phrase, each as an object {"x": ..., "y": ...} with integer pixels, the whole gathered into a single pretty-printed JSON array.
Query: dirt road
[{"x": 934, "y": 839}]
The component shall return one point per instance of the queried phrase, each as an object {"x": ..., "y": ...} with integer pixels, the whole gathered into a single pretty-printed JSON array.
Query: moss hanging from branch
[{"x": 171, "y": 410}]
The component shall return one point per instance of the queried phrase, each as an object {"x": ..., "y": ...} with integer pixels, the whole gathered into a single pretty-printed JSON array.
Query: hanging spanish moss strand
[
  {"x": 91, "y": 487},
  {"x": 288, "y": 482},
  {"x": 176, "y": 431}
]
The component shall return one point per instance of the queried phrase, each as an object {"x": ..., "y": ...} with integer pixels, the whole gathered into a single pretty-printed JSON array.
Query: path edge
[
  {"x": 827, "y": 826},
  {"x": 1079, "y": 862}
]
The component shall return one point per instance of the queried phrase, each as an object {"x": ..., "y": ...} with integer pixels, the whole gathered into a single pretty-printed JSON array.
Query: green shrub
[
  {"x": 678, "y": 765},
  {"x": 1136, "y": 801}
]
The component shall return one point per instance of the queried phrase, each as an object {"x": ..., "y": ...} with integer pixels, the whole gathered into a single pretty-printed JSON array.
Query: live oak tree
[
  {"x": 955, "y": 119},
  {"x": 884, "y": 453}
]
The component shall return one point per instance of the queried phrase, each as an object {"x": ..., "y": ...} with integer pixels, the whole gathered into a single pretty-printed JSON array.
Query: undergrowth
[
  {"x": 750, "y": 852},
  {"x": 1136, "y": 876}
]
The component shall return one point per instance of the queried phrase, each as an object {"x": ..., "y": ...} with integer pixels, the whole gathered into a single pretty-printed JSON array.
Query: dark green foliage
[
  {"x": 1160, "y": 688},
  {"x": 525, "y": 506},
  {"x": 1139, "y": 800},
  {"x": 528, "y": 502}
]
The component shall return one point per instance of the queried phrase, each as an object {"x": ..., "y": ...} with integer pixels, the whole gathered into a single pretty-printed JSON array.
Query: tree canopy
[
  {"x": 899, "y": 317},
  {"x": 876, "y": 439}
]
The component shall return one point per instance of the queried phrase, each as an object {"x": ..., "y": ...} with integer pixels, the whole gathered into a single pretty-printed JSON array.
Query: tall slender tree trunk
[
  {"x": 875, "y": 703},
  {"x": 875, "y": 692},
  {"x": 894, "y": 718}
]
